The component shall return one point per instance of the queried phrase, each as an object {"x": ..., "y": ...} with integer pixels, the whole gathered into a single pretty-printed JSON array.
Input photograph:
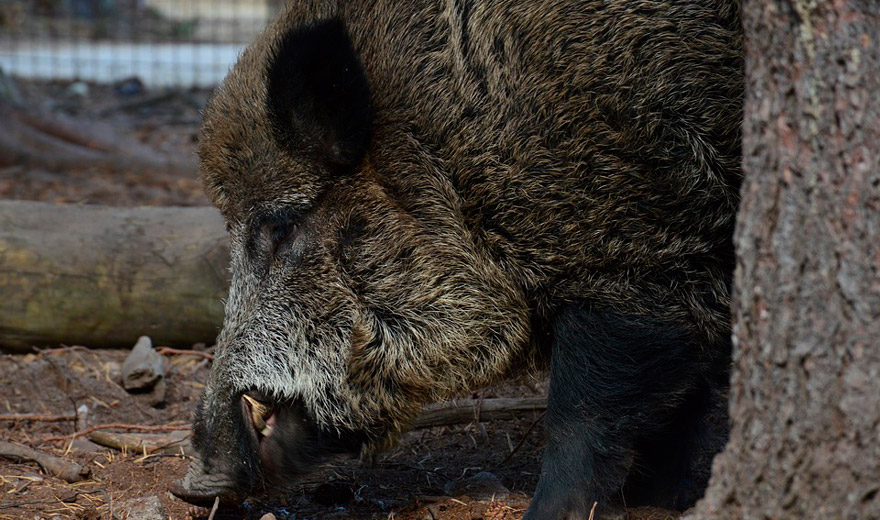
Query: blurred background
[
  {"x": 101, "y": 99},
  {"x": 180, "y": 43}
]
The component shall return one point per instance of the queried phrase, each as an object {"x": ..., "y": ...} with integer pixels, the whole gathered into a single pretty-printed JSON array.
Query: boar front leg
[{"x": 614, "y": 381}]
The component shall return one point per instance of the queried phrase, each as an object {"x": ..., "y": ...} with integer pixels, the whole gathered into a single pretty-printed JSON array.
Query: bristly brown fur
[{"x": 522, "y": 156}]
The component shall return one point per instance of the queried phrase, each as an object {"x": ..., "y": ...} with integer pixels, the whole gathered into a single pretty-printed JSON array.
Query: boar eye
[
  {"x": 280, "y": 233},
  {"x": 272, "y": 231}
]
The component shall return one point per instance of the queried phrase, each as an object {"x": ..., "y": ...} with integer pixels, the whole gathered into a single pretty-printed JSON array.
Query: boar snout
[
  {"x": 226, "y": 463},
  {"x": 256, "y": 442},
  {"x": 199, "y": 487}
]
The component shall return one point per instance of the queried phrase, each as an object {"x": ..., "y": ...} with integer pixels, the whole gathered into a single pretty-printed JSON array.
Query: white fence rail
[
  {"x": 155, "y": 64},
  {"x": 164, "y": 43}
]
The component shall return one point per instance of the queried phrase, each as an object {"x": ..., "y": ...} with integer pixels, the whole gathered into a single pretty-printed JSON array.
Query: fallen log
[
  {"x": 175, "y": 439},
  {"x": 69, "y": 471},
  {"x": 462, "y": 411},
  {"x": 61, "y": 143},
  {"x": 20, "y": 417},
  {"x": 102, "y": 277},
  {"x": 146, "y": 443}
]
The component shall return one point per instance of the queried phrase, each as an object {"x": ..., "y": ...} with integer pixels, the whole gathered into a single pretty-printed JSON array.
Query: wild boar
[{"x": 424, "y": 197}]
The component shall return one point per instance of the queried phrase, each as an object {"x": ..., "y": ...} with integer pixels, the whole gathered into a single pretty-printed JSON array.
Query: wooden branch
[
  {"x": 102, "y": 276},
  {"x": 522, "y": 440},
  {"x": 66, "y": 133},
  {"x": 59, "y": 142},
  {"x": 37, "y": 417},
  {"x": 440, "y": 414},
  {"x": 144, "y": 442},
  {"x": 168, "y": 351},
  {"x": 87, "y": 431},
  {"x": 465, "y": 410},
  {"x": 69, "y": 471},
  {"x": 459, "y": 411},
  {"x": 214, "y": 508}
]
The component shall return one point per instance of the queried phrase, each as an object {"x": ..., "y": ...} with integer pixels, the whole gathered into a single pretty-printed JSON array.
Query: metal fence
[{"x": 161, "y": 42}]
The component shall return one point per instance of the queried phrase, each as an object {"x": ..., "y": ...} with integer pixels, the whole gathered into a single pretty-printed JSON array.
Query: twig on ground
[
  {"x": 138, "y": 103},
  {"x": 69, "y": 471},
  {"x": 168, "y": 351},
  {"x": 69, "y": 498},
  {"x": 37, "y": 417},
  {"x": 62, "y": 349},
  {"x": 109, "y": 500},
  {"x": 521, "y": 441},
  {"x": 214, "y": 508},
  {"x": 64, "y": 132},
  {"x": 462, "y": 410},
  {"x": 142, "y": 443},
  {"x": 119, "y": 426},
  {"x": 440, "y": 414}
]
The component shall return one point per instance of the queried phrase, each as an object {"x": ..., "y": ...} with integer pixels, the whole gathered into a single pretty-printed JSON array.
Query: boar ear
[{"x": 318, "y": 97}]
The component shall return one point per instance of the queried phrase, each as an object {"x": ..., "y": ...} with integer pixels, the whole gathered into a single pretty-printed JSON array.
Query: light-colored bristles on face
[
  {"x": 363, "y": 334},
  {"x": 367, "y": 309}
]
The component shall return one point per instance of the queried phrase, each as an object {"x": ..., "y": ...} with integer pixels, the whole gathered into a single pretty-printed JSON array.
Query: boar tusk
[{"x": 259, "y": 414}]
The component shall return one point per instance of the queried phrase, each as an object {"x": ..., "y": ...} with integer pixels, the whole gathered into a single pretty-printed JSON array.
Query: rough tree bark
[{"x": 805, "y": 396}]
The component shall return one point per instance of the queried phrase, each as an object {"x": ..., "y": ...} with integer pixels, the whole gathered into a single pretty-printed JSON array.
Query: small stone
[
  {"x": 142, "y": 369},
  {"x": 481, "y": 486},
  {"x": 78, "y": 89},
  {"x": 143, "y": 508},
  {"x": 157, "y": 394},
  {"x": 268, "y": 516},
  {"x": 132, "y": 86}
]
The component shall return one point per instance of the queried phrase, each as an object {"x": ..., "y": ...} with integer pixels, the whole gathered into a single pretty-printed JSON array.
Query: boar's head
[{"x": 357, "y": 294}]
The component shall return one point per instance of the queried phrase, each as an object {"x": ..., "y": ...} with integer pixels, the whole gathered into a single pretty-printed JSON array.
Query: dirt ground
[
  {"x": 424, "y": 477},
  {"x": 406, "y": 482}
]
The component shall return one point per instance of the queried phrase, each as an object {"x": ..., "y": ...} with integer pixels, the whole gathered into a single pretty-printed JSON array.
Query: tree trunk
[
  {"x": 101, "y": 277},
  {"x": 805, "y": 394}
]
